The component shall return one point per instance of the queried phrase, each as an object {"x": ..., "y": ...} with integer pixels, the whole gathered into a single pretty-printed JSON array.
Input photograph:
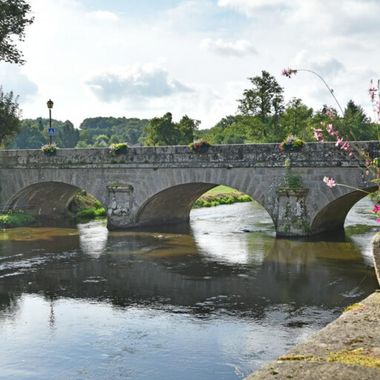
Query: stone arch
[
  {"x": 173, "y": 204},
  {"x": 332, "y": 216},
  {"x": 44, "y": 200}
]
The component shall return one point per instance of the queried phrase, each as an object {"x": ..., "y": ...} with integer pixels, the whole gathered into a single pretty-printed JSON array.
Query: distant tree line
[{"x": 262, "y": 117}]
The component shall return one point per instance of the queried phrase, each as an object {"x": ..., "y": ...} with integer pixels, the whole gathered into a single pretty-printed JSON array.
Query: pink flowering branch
[
  {"x": 289, "y": 72},
  {"x": 331, "y": 182}
]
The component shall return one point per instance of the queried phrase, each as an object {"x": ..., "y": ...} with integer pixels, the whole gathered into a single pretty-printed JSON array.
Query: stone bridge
[{"x": 149, "y": 186}]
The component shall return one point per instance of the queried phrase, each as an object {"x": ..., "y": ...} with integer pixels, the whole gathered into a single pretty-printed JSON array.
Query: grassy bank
[
  {"x": 15, "y": 219},
  {"x": 221, "y": 195}
]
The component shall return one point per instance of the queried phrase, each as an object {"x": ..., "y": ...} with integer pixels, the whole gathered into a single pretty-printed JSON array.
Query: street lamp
[{"x": 50, "y": 130}]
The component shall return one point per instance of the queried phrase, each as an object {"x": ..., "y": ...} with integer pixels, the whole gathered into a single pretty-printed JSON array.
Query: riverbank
[
  {"x": 16, "y": 219},
  {"x": 221, "y": 195},
  {"x": 348, "y": 348}
]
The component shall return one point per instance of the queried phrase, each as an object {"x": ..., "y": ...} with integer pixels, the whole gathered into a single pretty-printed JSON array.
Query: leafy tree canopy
[
  {"x": 13, "y": 20},
  {"x": 163, "y": 131},
  {"x": 264, "y": 99},
  {"x": 9, "y": 115}
]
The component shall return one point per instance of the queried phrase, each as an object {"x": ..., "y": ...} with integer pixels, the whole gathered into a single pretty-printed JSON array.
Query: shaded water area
[{"x": 215, "y": 301}]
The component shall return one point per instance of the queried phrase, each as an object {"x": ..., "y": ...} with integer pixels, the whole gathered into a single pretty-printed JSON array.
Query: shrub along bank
[
  {"x": 15, "y": 219},
  {"x": 221, "y": 195}
]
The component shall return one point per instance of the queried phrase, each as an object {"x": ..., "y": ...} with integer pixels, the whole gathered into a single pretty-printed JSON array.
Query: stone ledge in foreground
[{"x": 348, "y": 348}]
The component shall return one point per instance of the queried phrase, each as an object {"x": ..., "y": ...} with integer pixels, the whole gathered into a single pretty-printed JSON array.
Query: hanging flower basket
[
  {"x": 118, "y": 148},
  {"x": 291, "y": 144},
  {"x": 49, "y": 149},
  {"x": 199, "y": 146}
]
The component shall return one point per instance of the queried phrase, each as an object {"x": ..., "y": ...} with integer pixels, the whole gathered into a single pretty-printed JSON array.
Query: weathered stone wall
[{"x": 154, "y": 185}]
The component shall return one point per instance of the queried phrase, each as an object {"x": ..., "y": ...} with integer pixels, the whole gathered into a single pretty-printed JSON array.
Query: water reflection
[
  {"x": 220, "y": 300},
  {"x": 93, "y": 238}
]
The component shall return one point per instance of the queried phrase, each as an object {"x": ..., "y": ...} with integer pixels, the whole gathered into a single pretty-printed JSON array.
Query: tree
[
  {"x": 186, "y": 129},
  {"x": 9, "y": 115},
  {"x": 13, "y": 20},
  {"x": 295, "y": 120},
  {"x": 67, "y": 135},
  {"x": 264, "y": 99},
  {"x": 356, "y": 125},
  {"x": 160, "y": 131}
]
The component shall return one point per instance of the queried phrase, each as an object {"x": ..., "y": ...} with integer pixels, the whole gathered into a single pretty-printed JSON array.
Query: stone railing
[{"x": 247, "y": 155}]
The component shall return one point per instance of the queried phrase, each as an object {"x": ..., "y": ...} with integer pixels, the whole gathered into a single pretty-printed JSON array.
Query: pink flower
[
  {"x": 329, "y": 181},
  {"x": 378, "y": 220},
  {"x": 318, "y": 135},
  {"x": 346, "y": 146},
  {"x": 376, "y": 209},
  {"x": 372, "y": 91},
  {"x": 330, "y": 112},
  {"x": 289, "y": 72},
  {"x": 339, "y": 142},
  {"x": 331, "y": 131}
]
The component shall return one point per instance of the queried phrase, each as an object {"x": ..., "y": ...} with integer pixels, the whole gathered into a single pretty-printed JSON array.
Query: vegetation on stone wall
[{"x": 85, "y": 207}]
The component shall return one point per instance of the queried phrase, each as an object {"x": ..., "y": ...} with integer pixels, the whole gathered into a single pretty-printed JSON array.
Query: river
[{"x": 216, "y": 300}]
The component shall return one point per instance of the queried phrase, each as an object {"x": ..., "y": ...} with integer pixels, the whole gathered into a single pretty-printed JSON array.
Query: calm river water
[{"x": 214, "y": 302}]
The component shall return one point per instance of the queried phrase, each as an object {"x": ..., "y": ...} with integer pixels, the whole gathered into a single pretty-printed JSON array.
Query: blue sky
[{"x": 144, "y": 58}]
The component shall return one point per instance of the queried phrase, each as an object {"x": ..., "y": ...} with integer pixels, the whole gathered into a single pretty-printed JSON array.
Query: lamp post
[{"x": 50, "y": 130}]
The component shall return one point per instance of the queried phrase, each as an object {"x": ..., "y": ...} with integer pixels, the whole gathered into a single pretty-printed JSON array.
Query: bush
[
  {"x": 15, "y": 219},
  {"x": 118, "y": 148},
  {"x": 91, "y": 213}
]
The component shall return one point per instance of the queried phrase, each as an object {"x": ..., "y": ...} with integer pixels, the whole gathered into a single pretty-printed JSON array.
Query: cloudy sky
[{"x": 142, "y": 58}]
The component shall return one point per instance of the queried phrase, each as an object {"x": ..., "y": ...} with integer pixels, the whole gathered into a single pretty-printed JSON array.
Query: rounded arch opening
[
  {"x": 174, "y": 204},
  {"x": 49, "y": 202},
  {"x": 333, "y": 215}
]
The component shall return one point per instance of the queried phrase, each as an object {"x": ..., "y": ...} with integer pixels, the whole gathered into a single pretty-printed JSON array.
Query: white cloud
[
  {"x": 13, "y": 79},
  {"x": 147, "y": 81},
  {"x": 324, "y": 65},
  {"x": 101, "y": 15},
  {"x": 72, "y": 51},
  {"x": 238, "y": 48},
  {"x": 249, "y": 7}
]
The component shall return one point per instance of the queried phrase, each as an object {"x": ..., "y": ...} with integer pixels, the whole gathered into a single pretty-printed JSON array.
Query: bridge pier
[
  {"x": 120, "y": 207},
  {"x": 292, "y": 216}
]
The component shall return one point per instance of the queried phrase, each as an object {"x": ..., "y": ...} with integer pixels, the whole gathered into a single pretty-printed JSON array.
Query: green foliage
[
  {"x": 295, "y": 120},
  {"x": 221, "y": 195},
  {"x": 163, "y": 131},
  {"x": 118, "y": 148},
  {"x": 290, "y": 180},
  {"x": 355, "y": 124},
  {"x": 15, "y": 219},
  {"x": 33, "y": 133},
  {"x": 9, "y": 115},
  {"x": 13, "y": 16},
  {"x": 84, "y": 207},
  {"x": 101, "y": 141},
  {"x": 49, "y": 149},
  {"x": 116, "y": 129},
  {"x": 91, "y": 213},
  {"x": 264, "y": 99}
]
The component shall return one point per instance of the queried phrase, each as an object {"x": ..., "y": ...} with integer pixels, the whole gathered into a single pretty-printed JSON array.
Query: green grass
[
  {"x": 15, "y": 219},
  {"x": 85, "y": 207},
  {"x": 221, "y": 195}
]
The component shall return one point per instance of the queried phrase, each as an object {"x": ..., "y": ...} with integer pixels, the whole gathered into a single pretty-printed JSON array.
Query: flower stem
[
  {"x": 354, "y": 188},
  {"x": 331, "y": 91}
]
